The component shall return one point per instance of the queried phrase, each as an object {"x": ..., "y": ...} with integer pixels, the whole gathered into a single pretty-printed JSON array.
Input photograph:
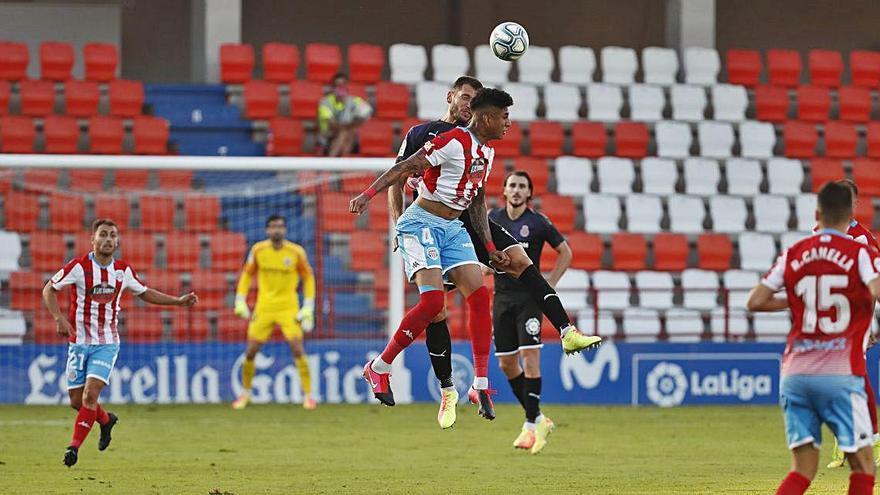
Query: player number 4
[
  {"x": 426, "y": 236},
  {"x": 818, "y": 297}
]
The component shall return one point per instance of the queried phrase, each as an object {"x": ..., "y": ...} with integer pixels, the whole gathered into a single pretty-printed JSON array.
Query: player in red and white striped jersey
[{"x": 91, "y": 326}]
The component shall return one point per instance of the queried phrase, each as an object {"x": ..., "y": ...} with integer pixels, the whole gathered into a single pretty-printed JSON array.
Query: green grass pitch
[{"x": 373, "y": 449}]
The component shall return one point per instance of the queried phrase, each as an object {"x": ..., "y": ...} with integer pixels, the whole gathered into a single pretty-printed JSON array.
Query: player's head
[
  {"x": 339, "y": 84},
  {"x": 459, "y": 98},
  {"x": 489, "y": 108},
  {"x": 851, "y": 184},
  {"x": 518, "y": 188},
  {"x": 105, "y": 236},
  {"x": 835, "y": 205},
  {"x": 276, "y": 228}
]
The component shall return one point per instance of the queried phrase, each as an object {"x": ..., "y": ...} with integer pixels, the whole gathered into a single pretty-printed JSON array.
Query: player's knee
[
  {"x": 432, "y": 302},
  {"x": 518, "y": 264},
  {"x": 75, "y": 404},
  {"x": 479, "y": 299},
  {"x": 440, "y": 316},
  {"x": 509, "y": 365},
  {"x": 90, "y": 400},
  {"x": 862, "y": 461}
]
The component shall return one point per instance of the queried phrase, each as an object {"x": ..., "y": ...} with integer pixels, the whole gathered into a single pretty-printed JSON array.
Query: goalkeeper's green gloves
[
  {"x": 241, "y": 308},
  {"x": 306, "y": 315}
]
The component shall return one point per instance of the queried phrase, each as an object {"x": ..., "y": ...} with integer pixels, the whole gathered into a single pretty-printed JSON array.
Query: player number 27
[{"x": 818, "y": 297}]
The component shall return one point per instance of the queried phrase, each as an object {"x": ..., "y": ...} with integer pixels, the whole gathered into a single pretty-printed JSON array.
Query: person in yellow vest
[
  {"x": 340, "y": 114},
  {"x": 280, "y": 267}
]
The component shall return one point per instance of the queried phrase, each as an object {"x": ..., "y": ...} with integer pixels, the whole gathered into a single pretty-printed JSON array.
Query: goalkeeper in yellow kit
[{"x": 280, "y": 265}]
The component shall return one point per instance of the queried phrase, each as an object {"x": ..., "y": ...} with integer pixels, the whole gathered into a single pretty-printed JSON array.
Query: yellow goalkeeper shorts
[{"x": 262, "y": 324}]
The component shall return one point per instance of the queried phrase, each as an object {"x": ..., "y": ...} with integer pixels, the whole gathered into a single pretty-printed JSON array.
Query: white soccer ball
[{"x": 509, "y": 41}]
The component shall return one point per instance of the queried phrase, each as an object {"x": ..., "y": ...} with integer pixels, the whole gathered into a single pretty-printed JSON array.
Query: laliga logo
[
  {"x": 462, "y": 377},
  {"x": 667, "y": 384}
]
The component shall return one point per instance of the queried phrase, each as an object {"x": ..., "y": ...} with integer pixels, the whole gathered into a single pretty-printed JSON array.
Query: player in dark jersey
[
  {"x": 438, "y": 340},
  {"x": 516, "y": 317}
]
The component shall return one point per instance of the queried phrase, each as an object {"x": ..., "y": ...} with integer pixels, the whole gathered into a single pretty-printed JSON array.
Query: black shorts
[
  {"x": 516, "y": 320},
  {"x": 500, "y": 236}
]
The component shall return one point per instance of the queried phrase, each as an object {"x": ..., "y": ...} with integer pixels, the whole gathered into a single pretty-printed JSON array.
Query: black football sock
[
  {"x": 545, "y": 296},
  {"x": 440, "y": 351},
  {"x": 518, "y": 387},
  {"x": 532, "y": 389}
]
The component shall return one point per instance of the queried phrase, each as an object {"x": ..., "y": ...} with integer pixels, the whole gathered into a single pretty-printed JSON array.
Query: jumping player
[
  {"x": 99, "y": 280},
  {"x": 831, "y": 283}
]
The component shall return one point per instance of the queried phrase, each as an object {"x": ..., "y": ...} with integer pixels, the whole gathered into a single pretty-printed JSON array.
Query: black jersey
[
  {"x": 420, "y": 134},
  {"x": 532, "y": 230}
]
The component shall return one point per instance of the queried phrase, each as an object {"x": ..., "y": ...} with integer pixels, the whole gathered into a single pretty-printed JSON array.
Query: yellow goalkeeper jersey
[{"x": 279, "y": 272}]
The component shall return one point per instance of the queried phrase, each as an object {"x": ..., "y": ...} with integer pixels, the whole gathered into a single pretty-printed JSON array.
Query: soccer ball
[{"x": 509, "y": 41}]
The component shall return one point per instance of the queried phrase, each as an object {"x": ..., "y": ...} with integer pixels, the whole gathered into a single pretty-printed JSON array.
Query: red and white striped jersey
[
  {"x": 859, "y": 234},
  {"x": 461, "y": 166},
  {"x": 826, "y": 277},
  {"x": 94, "y": 302}
]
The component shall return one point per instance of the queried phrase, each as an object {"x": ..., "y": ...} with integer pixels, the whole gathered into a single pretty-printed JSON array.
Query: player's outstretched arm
[
  {"x": 762, "y": 299},
  {"x": 415, "y": 164},
  {"x": 395, "y": 204},
  {"x": 480, "y": 220},
  {"x": 50, "y": 300},
  {"x": 153, "y": 296},
  {"x": 563, "y": 261}
]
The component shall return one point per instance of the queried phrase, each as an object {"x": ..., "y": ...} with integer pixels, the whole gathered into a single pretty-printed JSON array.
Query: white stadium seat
[
  {"x": 686, "y": 214},
  {"x": 673, "y": 139},
  {"x": 587, "y": 322},
  {"x": 604, "y": 102},
  {"x": 576, "y": 64},
  {"x": 573, "y": 175},
  {"x": 805, "y": 210},
  {"x": 756, "y": 251},
  {"x": 10, "y": 251},
  {"x": 729, "y": 102},
  {"x": 701, "y": 66},
  {"x": 684, "y": 325},
  {"x": 785, "y": 175},
  {"x": 641, "y": 325},
  {"x": 688, "y": 102},
  {"x": 612, "y": 288},
  {"x": 489, "y": 69},
  {"x": 12, "y": 327},
  {"x": 789, "y": 238},
  {"x": 616, "y": 175},
  {"x": 738, "y": 284},
  {"x": 526, "y": 101},
  {"x": 771, "y": 327},
  {"x": 536, "y": 65},
  {"x": 700, "y": 288},
  {"x": 744, "y": 176},
  {"x": 716, "y": 139},
  {"x": 572, "y": 289},
  {"x": 736, "y": 322},
  {"x": 602, "y": 213},
  {"x": 655, "y": 289},
  {"x": 408, "y": 63},
  {"x": 646, "y": 102},
  {"x": 659, "y": 175},
  {"x": 701, "y": 176},
  {"x": 431, "y": 100},
  {"x": 643, "y": 213},
  {"x": 771, "y": 213},
  {"x": 449, "y": 62},
  {"x": 659, "y": 65},
  {"x": 562, "y": 102},
  {"x": 728, "y": 213},
  {"x": 618, "y": 65},
  {"x": 756, "y": 139}
]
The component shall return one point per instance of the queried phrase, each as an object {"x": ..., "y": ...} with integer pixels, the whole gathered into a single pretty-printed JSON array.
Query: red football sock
[
  {"x": 101, "y": 415},
  {"x": 85, "y": 418},
  {"x": 872, "y": 404},
  {"x": 793, "y": 484},
  {"x": 861, "y": 484},
  {"x": 480, "y": 324},
  {"x": 414, "y": 323}
]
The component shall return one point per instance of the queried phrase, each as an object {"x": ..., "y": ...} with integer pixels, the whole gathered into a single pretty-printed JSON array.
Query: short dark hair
[
  {"x": 338, "y": 75},
  {"x": 851, "y": 184},
  {"x": 835, "y": 203},
  {"x": 470, "y": 81},
  {"x": 491, "y": 97},
  {"x": 522, "y": 173},
  {"x": 272, "y": 218},
  {"x": 103, "y": 221}
]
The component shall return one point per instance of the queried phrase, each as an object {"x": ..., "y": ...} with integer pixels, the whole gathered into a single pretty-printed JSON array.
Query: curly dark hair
[{"x": 491, "y": 97}]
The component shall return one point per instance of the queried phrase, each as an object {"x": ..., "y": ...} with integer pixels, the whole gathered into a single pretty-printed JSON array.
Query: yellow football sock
[
  {"x": 248, "y": 370},
  {"x": 305, "y": 378}
]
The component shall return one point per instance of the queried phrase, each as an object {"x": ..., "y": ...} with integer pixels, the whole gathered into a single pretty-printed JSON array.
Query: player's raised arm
[
  {"x": 415, "y": 164},
  {"x": 153, "y": 296}
]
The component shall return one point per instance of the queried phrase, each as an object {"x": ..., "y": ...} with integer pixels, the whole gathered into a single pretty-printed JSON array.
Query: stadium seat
[
  {"x": 17, "y": 134},
  {"x": 784, "y": 67},
  {"x": 684, "y": 325},
  {"x": 141, "y": 326},
  {"x": 392, "y": 100},
  {"x": 546, "y": 138},
  {"x": 826, "y": 67},
  {"x": 813, "y": 103},
  {"x": 701, "y": 66},
  {"x": 333, "y": 212},
  {"x": 561, "y": 211},
  {"x": 744, "y": 176},
  {"x": 805, "y": 211},
  {"x": 536, "y": 65},
  {"x": 431, "y": 100},
  {"x": 631, "y": 139},
  {"x": 280, "y": 62},
  {"x": 10, "y": 251},
  {"x": 22, "y": 211},
  {"x": 670, "y": 251},
  {"x": 115, "y": 206},
  {"x": 602, "y": 213},
  {"x": 538, "y": 171},
  {"x": 150, "y": 135},
  {"x": 201, "y": 213},
  {"x": 61, "y": 134},
  {"x": 616, "y": 175},
  {"x": 841, "y": 139},
  {"x": 212, "y": 287},
  {"x": 771, "y": 327},
  {"x": 866, "y": 173},
  {"x": 757, "y": 139},
  {"x": 872, "y": 134},
  {"x": 228, "y": 250},
  {"x": 182, "y": 251},
  {"x": 37, "y": 97},
  {"x": 646, "y": 102},
  {"x": 14, "y": 58},
  {"x": 562, "y": 102},
  {"x": 604, "y": 102},
  {"x": 89, "y": 180},
  {"x": 489, "y": 69},
  {"x": 659, "y": 175},
  {"x": 576, "y": 64},
  {"x": 365, "y": 62},
  {"x": 48, "y": 251},
  {"x": 701, "y": 176},
  {"x": 824, "y": 170},
  {"x": 785, "y": 176},
  {"x": 729, "y": 102},
  {"x": 800, "y": 139},
  {"x": 716, "y": 139},
  {"x": 655, "y": 289},
  {"x": 261, "y": 100},
  {"x": 855, "y": 103},
  {"x": 643, "y": 213},
  {"x": 322, "y": 61},
  {"x": 700, "y": 288},
  {"x": 408, "y": 63},
  {"x": 738, "y": 283},
  {"x": 731, "y": 323},
  {"x": 686, "y": 214},
  {"x": 771, "y": 103},
  {"x": 688, "y": 102},
  {"x": 865, "y": 213},
  {"x": 589, "y": 139},
  {"x": 5, "y": 96},
  {"x": 526, "y": 98},
  {"x": 601, "y": 324},
  {"x": 449, "y": 62},
  {"x": 105, "y": 135},
  {"x": 285, "y": 137},
  {"x": 304, "y": 99},
  {"x": 510, "y": 146},
  {"x": 587, "y": 250},
  {"x": 714, "y": 251},
  {"x": 864, "y": 68},
  {"x": 771, "y": 213},
  {"x": 728, "y": 213},
  {"x": 40, "y": 179},
  {"x": 131, "y": 179},
  {"x": 56, "y": 60},
  {"x": 641, "y": 325},
  {"x": 673, "y": 139},
  {"x": 619, "y": 65},
  {"x": 659, "y": 65},
  {"x": 100, "y": 61},
  {"x": 236, "y": 63},
  {"x": 743, "y": 66},
  {"x": 190, "y": 326},
  {"x": 81, "y": 98},
  {"x": 175, "y": 180},
  {"x": 126, "y": 98},
  {"x": 157, "y": 213},
  {"x": 368, "y": 251},
  {"x": 375, "y": 137},
  {"x": 613, "y": 289},
  {"x": 572, "y": 289},
  {"x": 25, "y": 290},
  {"x": 573, "y": 175},
  {"x": 787, "y": 239},
  {"x": 756, "y": 251}
]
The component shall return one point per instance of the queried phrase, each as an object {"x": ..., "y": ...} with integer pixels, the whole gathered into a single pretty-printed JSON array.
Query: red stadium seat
[
  {"x": 743, "y": 67},
  {"x": 91, "y": 180},
  {"x": 560, "y": 210},
  {"x": 813, "y": 103},
  {"x": 670, "y": 251},
  {"x": 66, "y": 212},
  {"x": 304, "y": 99},
  {"x": 375, "y": 137},
  {"x": 826, "y": 67},
  {"x": 81, "y": 98},
  {"x": 17, "y": 134},
  {"x": 589, "y": 139},
  {"x": 100, "y": 61},
  {"x": 202, "y": 213},
  {"x": 771, "y": 103},
  {"x": 22, "y": 211},
  {"x": 231, "y": 328},
  {"x": 61, "y": 133},
  {"x": 37, "y": 178},
  {"x": 855, "y": 103},
  {"x": 131, "y": 179},
  {"x": 141, "y": 326},
  {"x": 365, "y": 62},
  {"x": 115, "y": 206},
  {"x": 392, "y": 100},
  {"x": 864, "y": 68},
  {"x": 14, "y": 58},
  {"x": 509, "y": 146},
  {"x": 150, "y": 135},
  {"x": 56, "y": 60},
  {"x": 368, "y": 251},
  {"x": 182, "y": 251},
  {"x": 714, "y": 251},
  {"x": 800, "y": 139},
  {"x": 873, "y": 138},
  {"x": 322, "y": 62},
  {"x": 44, "y": 326},
  {"x": 37, "y": 97},
  {"x": 285, "y": 137},
  {"x": 175, "y": 180},
  {"x": 260, "y": 100},
  {"x": 157, "y": 213},
  {"x": 538, "y": 170},
  {"x": 280, "y": 62},
  {"x": 236, "y": 63},
  {"x": 866, "y": 173},
  {"x": 333, "y": 214},
  {"x": 865, "y": 213},
  {"x": 48, "y": 250},
  {"x": 378, "y": 219},
  {"x": 228, "y": 250},
  {"x": 841, "y": 139},
  {"x": 126, "y": 97},
  {"x": 5, "y": 96},
  {"x": 784, "y": 67},
  {"x": 825, "y": 170},
  {"x": 631, "y": 139},
  {"x": 628, "y": 251},
  {"x": 546, "y": 138},
  {"x": 190, "y": 325},
  {"x": 495, "y": 185},
  {"x": 105, "y": 135},
  {"x": 25, "y": 288},
  {"x": 355, "y": 182},
  {"x": 139, "y": 249},
  {"x": 211, "y": 287},
  {"x": 586, "y": 249}
]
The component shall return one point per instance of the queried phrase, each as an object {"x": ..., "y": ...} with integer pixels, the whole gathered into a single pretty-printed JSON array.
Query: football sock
[
  {"x": 440, "y": 351},
  {"x": 101, "y": 415},
  {"x": 414, "y": 323},
  {"x": 793, "y": 484},
  {"x": 517, "y": 384},
  {"x": 532, "y": 398},
  {"x": 305, "y": 378},
  {"x": 480, "y": 325},
  {"x": 546, "y": 297},
  {"x": 380, "y": 366},
  {"x": 861, "y": 484},
  {"x": 872, "y": 403},
  {"x": 248, "y": 370},
  {"x": 85, "y": 418}
]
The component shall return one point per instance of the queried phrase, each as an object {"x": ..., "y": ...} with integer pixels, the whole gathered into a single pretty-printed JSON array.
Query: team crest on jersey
[
  {"x": 103, "y": 294},
  {"x": 478, "y": 170},
  {"x": 524, "y": 231},
  {"x": 433, "y": 253},
  {"x": 288, "y": 261}
]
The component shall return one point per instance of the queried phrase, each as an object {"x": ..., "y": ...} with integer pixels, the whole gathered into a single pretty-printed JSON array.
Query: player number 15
[{"x": 823, "y": 301}]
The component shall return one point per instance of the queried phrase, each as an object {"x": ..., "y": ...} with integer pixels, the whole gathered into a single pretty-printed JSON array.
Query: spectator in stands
[{"x": 339, "y": 116}]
